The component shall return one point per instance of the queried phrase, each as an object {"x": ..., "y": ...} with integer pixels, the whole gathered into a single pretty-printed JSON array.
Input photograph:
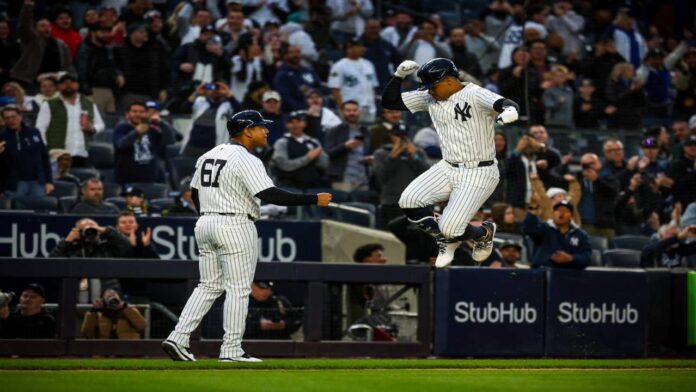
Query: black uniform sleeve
[
  {"x": 391, "y": 97},
  {"x": 196, "y": 201},
  {"x": 284, "y": 198},
  {"x": 501, "y": 104}
]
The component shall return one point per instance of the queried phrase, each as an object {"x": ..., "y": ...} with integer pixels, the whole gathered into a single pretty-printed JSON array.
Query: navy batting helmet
[
  {"x": 243, "y": 120},
  {"x": 435, "y": 70}
]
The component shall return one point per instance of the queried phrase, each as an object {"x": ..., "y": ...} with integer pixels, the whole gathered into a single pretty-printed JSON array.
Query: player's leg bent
[{"x": 472, "y": 188}]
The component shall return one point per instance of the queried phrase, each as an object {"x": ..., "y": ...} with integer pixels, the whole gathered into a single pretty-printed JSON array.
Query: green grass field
[{"x": 124, "y": 375}]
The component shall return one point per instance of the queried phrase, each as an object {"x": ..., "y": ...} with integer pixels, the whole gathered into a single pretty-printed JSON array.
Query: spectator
[
  {"x": 157, "y": 31},
  {"x": 141, "y": 246},
  {"x": 9, "y": 51},
  {"x": 152, "y": 113},
  {"x": 24, "y": 163},
  {"x": 657, "y": 79},
  {"x": 61, "y": 162},
  {"x": 348, "y": 18},
  {"x": 48, "y": 88},
  {"x": 272, "y": 110},
  {"x": 97, "y": 70},
  {"x": 537, "y": 20},
  {"x": 30, "y": 320},
  {"x": 246, "y": 67},
  {"x": 293, "y": 34},
  {"x": 380, "y": 52},
  {"x": 299, "y": 160},
  {"x": 558, "y": 99},
  {"x": 271, "y": 316},
  {"x": 70, "y": 121},
  {"x": 680, "y": 130},
  {"x": 380, "y": 133},
  {"x": 497, "y": 18},
  {"x": 395, "y": 165},
  {"x": 427, "y": 139},
  {"x": 482, "y": 45},
  {"x": 669, "y": 247},
  {"x": 425, "y": 44},
  {"x": 40, "y": 51},
  {"x": 232, "y": 30},
  {"x": 183, "y": 204},
  {"x": 135, "y": 201},
  {"x": 630, "y": 44},
  {"x": 346, "y": 146},
  {"x": 569, "y": 26},
  {"x": 463, "y": 59},
  {"x": 504, "y": 217},
  {"x": 513, "y": 35},
  {"x": 625, "y": 97},
  {"x": 661, "y": 135},
  {"x": 546, "y": 199},
  {"x": 92, "y": 200},
  {"x": 636, "y": 202},
  {"x": 62, "y": 29},
  {"x": 598, "y": 66},
  {"x": 138, "y": 145},
  {"x": 650, "y": 163},
  {"x": 293, "y": 81},
  {"x": 519, "y": 186},
  {"x": 560, "y": 243},
  {"x": 252, "y": 99},
  {"x": 316, "y": 111},
  {"x": 88, "y": 239},
  {"x": 263, "y": 12},
  {"x": 403, "y": 31},
  {"x": 145, "y": 68},
  {"x": 685, "y": 83},
  {"x": 513, "y": 80},
  {"x": 353, "y": 78},
  {"x": 596, "y": 205},
  {"x": 587, "y": 107},
  {"x": 190, "y": 32},
  {"x": 549, "y": 157},
  {"x": 213, "y": 104},
  {"x": 200, "y": 61},
  {"x": 319, "y": 28},
  {"x": 614, "y": 163},
  {"x": 683, "y": 172},
  {"x": 15, "y": 91},
  {"x": 112, "y": 318},
  {"x": 510, "y": 253}
]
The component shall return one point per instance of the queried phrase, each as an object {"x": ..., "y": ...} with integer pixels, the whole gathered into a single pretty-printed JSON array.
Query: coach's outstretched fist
[
  {"x": 508, "y": 115},
  {"x": 323, "y": 199},
  {"x": 406, "y": 68}
]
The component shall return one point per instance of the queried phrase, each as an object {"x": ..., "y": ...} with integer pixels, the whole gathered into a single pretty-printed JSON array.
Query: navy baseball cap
[
  {"x": 152, "y": 105},
  {"x": 649, "y": 142},
  {"x": 297, "y": 115},
  {"x": 564, "y": 203},
  {"x": 264, "y": 284},
  {"x": 133, "y": 191},
  {"x": 37, "y": 288}
]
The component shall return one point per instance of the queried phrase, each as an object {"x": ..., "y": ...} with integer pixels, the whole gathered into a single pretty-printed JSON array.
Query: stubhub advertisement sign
[
  {"x": 32, "y": 235},
  {"x": 489, "y": 312},
  {"x": 596, "y": 313}
]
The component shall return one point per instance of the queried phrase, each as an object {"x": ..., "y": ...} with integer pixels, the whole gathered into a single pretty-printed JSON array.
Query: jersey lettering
[
  {"x": 207, "y": 169},
  {"x": 464, "y": 112}
]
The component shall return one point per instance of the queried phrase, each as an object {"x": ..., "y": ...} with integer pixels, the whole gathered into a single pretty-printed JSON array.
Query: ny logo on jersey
[{"x": 464, "y": 112}]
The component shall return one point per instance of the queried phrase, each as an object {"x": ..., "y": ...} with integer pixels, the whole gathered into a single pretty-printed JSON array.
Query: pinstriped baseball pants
[
  {"x": 466, "y": 189},
  {"x": 228, "y": 248}
]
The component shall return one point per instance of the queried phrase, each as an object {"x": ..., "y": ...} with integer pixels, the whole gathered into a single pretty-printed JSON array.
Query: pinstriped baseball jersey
[
  {"x": 227, "y": 178},
  {"x": 464, "y": 121}
]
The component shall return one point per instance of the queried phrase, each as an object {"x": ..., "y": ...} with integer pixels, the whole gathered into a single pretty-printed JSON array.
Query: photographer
[
  {"x": 596, "y": 205},
  {"x": 669, "y": 247},
  {"x": 212, "y": 105},
  {"x": 270, "y": 316},
  {"x": 88, "y": 239},
  {"x": 112, "y": 318},
  {"x": 138, "y": 146},
  {"x": 30, "y": 320}
]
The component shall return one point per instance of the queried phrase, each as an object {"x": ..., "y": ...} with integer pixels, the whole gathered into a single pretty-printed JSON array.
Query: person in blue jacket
[
  {"x": 293, "y": 80},
  {"x": 559, "y": 242}
]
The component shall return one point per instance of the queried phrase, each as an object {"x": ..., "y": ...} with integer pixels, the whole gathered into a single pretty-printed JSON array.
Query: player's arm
[
  {"x": 277, "y": 196},
  {"x": 391, "y": 97},
  {"x": 196, "y": 200},
  {"x": 508, "y": 109}
]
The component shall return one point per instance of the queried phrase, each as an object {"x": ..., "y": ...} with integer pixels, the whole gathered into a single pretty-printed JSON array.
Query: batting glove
[
  {"x": 406, "y": 68},
  {"x": 508, "y": 115}
]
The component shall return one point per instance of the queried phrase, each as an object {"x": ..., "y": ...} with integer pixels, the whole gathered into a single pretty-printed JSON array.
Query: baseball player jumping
[
  {"x": 463, "y": 116},
  {"x": 226, "y": 188}
]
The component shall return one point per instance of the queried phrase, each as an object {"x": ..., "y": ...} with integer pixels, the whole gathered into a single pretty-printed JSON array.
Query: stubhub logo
[
  {"x": 500, "y": 313},
  {"x": 604, "y": 313}
]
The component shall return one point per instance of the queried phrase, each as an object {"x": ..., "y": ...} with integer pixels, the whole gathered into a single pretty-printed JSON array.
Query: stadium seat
[
  {"x": 180, "y": 168},
  {"x": 67, "y": 202},
  {"x": 35, "y": 203},
  {"x": 629, "y": 241},
  {"x": 596, "y": 260},
  {"x": 119, "y": 202},
  {"x": 111, "y": 189},
  {"x": 152, "y": 190},
  {"x": 173, "y": 150},
  {"x": 101, "y": 155},
  {"x": 64, "y": 188},
  {"x": 84, "y": 173},
  {"x": 599, "y": 243},
  {"x": 623, "y": 258},
  {"x": 107, "y": 136},
  {"x": 158, "y": 205}
]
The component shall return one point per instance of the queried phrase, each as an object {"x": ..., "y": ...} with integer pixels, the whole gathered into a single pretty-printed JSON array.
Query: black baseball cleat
[
  {"x": 243, "y": 358},
  {"x": 177, "y": 352},
  {"x": 484, "y": 245}
]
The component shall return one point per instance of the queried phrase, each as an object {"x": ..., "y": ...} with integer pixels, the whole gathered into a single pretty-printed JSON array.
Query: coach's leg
[
  {"x": 431, "y": 187},
  {"x": 209, "y": 288},
  {"x": 238, "y": 257}
]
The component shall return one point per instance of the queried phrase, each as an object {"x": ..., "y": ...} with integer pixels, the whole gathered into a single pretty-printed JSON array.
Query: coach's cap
[
  {"x": 133, "y": 191},
  {"x": 264, "y": 284},
  {"x": 270, "y": 94},
  {"x": 37, "y": 288},
  {"x": 552, "y": 192},
  {"x": 297, "y": 115},
  {"x": 691, "y": 140},
  {"x": 649, "y": 142},
  {"x": 564, "y": 203}
]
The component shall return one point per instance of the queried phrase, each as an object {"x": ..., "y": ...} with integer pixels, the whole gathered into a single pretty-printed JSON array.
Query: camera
[
  {"x": 209, "y": 87},
  {"x": 89, "y": 234},
  {"x": 6, "y": 297},
  {"x": 111, "y": 302}
]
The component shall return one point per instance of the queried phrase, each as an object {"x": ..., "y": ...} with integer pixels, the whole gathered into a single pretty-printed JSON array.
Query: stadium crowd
[{"x": 106, "y": 106}]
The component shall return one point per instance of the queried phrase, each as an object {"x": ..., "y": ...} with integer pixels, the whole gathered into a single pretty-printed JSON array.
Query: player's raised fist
[
  {"x": 508, "y": 115},
  {"x": 323, "y": 199},
  {"x": 406, "y": 68}
]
